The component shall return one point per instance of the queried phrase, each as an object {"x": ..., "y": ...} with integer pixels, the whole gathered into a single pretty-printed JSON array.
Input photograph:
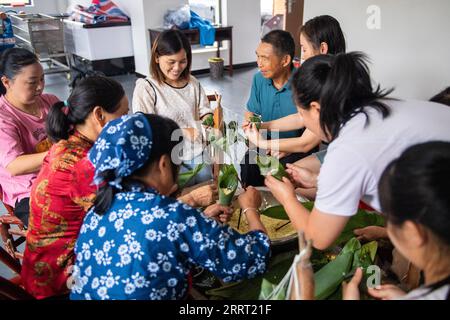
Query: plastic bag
[
  {"x": 7, "y": 39},
  {"x": 289, "y": 287},
  {"x": 179, "y": 18}
]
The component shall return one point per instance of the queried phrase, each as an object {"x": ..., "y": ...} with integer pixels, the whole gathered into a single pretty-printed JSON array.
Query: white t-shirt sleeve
[
  {"x": 343, "y": 180},
  {"x": 143, "y": 97}
]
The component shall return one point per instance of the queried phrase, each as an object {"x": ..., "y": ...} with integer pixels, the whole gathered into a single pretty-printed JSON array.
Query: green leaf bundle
[{"x": 228, "y": 183}]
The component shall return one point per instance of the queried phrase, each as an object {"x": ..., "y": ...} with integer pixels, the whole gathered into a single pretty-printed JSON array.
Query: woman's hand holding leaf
[
  {"x": 283, "y": 191},
  {"x": 254, "y": 136}
]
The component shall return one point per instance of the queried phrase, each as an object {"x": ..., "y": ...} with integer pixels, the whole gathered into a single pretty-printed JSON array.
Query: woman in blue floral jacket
[{"x": 138, "y": 243}]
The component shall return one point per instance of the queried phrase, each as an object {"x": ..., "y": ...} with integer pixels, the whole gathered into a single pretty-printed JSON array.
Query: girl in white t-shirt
[
  {"x": 171, "y": 91},
  {"x": 415, "y": 195},
  {"x": 366, "y": 131}
]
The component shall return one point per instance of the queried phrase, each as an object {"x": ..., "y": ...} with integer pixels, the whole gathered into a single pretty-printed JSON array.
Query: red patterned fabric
[{"x": 60, "y": 197}]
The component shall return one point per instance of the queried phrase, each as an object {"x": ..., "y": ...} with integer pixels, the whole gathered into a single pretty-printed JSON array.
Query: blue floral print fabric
[
  {"x": 145, "y": 245},
  {"x": 124, "y": 145}
]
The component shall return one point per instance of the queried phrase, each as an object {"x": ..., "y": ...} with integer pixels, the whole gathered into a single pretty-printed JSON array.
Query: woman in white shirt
[
  {"x": 366, "y": 131},
  {"x": 172, "y": 91},
  {"x": 415, "y": 195}
]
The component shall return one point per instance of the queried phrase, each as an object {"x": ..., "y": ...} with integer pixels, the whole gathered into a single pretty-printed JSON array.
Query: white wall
[
  {"x": 411, "y": 51},
  {"x": 144, "y": 14},
  {"x": 244, "y": 16}
]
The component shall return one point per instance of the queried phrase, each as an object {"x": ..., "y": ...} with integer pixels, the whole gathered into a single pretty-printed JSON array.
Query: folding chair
[
  {"x": 11, "y": 288},
  {"x": 12, "y": 231}
]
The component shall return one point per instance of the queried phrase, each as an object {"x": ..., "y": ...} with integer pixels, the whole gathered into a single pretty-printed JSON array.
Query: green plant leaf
[
  {"x": 185, "y": 177},
  {"x": 269, "y": 165},
  {"x": 329, "y": 278},
  {"x": 233, "y": 125},
  {"x": 266, "y": 290},
  {"x": 208, "y": 121},
  {"x": 256, "y": 119},
  {"x": 278, "y": 212},
  {"x": 351, "y": 246},
  {"x": 228, "y": 183}
]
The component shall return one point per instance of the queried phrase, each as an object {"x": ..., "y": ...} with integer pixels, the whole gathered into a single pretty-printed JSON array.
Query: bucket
[{"x": 216, "y": 66}]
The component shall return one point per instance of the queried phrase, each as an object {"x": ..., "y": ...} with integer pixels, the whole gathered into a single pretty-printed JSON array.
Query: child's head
[
  {"x": 321, "y": 35},
  {"x": 136, "y": 148},
  {"x": 442, "y": 97},
  {"x": 275, "y": 53},
  {"x": 171, "y": 57},
  {"x": 415, "y": 195},
  {"x": 22, "y": 76},
  {"x": 93, "y": 102}
]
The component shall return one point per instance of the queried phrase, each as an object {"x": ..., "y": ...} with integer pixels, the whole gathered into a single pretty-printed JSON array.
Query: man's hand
[{"x": 370, "y": 233}]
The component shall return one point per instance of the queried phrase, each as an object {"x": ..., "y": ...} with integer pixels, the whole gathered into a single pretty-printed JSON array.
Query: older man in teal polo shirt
[{"x": 271, "y": 96}]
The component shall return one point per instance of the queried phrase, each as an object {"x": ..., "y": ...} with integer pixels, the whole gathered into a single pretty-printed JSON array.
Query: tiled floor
[{"x": 235, "y": 91}]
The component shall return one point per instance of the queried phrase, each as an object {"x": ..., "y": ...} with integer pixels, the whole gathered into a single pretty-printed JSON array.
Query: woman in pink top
[{"x": 23, "y": 138}]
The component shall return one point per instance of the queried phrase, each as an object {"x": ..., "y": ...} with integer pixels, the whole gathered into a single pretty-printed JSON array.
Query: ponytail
[
  {"x": 57, "y": 123},
  {"x": 89, "y": 93},
  {"x": 105, "y": 194},
  {"x": 342, "y": 86}
]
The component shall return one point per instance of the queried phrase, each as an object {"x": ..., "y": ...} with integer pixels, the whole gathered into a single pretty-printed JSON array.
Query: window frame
[
  {"x": 217, "y": 12},
  {"x": 14, "y": 4}
]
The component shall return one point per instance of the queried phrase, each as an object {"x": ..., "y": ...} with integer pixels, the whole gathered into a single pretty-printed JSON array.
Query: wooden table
[{"x": 222, "y": 34}]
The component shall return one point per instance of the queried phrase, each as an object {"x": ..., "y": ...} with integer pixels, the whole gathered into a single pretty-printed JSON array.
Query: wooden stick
[
  {"x": 239, "y": 220},
  {"x": 282, "y": 226}
]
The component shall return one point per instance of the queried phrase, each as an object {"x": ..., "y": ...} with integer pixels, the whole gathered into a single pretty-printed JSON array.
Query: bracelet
[{"x": 246, "y": 209}]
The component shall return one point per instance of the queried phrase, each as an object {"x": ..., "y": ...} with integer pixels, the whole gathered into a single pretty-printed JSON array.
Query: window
[
  {"x": 12, "y": 3},
  {"x": 207, "y": 9}
]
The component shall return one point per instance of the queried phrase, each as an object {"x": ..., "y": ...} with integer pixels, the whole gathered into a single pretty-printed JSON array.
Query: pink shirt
[{"x": 20, "y": 132}]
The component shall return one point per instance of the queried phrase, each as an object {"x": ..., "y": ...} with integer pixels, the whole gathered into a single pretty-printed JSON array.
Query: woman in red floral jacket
[{"x": 63, "y": 190}]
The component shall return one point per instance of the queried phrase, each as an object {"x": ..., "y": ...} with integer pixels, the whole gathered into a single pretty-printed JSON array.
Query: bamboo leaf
[
  {"x": 185, "y": 177},
  {"x": 256, "y": 119},
  {"x": 228, "y": 183},
  {"x": 329, "y": 278},
  {"x": 269, "y": 165},
  {"x": 278, "y": 212},
  {"x": 208, "y": 121}
]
